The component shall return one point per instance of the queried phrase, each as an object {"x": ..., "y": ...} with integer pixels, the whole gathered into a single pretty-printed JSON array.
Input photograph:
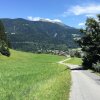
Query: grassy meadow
[
  {"x": 27, "y": 76},
  {"x": 75, "y": 61}
]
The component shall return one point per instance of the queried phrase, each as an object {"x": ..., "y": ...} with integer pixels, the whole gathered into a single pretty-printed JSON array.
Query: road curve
[{"x": 84, "y": 87}]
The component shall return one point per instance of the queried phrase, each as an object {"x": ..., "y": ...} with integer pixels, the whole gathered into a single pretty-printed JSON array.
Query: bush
[
  {"x": 96, "y": 67},
  {"x": 4, "y": 50},
  {"x": 86, "y": 63}
]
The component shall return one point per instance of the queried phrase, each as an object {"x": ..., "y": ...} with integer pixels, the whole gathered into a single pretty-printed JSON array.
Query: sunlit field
[
  {"x": 27, "y": 76},
  {"x": 75, "y": 60}
]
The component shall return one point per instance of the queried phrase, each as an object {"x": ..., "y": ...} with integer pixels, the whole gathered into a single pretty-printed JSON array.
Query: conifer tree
[{"x": 4, "y": 50}]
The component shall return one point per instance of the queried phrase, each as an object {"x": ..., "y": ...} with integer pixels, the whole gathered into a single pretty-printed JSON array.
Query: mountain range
[{"x": 31, "y": 36}]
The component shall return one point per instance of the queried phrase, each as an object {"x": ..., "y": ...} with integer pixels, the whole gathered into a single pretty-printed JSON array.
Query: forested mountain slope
[{"x": 39, "y": 35}]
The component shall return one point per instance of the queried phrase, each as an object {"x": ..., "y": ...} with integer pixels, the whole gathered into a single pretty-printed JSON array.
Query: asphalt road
[{"x": 85, "y": 84}]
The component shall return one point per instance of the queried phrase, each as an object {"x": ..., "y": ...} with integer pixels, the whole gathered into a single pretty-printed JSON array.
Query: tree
[
  {"x": 90, "y": 42},
  {"x": 4, "y": 50}
]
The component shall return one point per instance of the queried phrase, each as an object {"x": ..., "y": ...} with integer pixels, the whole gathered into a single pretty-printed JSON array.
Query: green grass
[
  {"x": 27, "y": 76},
  {"x": 75, "y": 60}
]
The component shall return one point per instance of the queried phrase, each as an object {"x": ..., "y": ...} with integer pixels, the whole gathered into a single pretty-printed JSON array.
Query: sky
[{"x": 70, "y": 12}]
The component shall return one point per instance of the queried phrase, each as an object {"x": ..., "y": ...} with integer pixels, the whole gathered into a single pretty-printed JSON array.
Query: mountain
[{"x": 39, "y": 35}]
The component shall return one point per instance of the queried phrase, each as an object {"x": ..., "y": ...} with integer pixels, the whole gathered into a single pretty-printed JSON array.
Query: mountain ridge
[{"x": 43, "y": 35}]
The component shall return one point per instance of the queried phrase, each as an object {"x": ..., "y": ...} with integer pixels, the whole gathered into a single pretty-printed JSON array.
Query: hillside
[
  {"x": 39, "y": 35},
  {"x": 28, "y": 76}
]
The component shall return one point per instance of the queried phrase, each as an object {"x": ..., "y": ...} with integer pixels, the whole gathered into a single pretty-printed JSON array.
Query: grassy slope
[
  {"x": 27, "y": 76},
  {"x": 75, "y": 60}
]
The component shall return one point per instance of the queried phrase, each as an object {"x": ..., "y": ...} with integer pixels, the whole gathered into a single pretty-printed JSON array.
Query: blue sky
[{"x": 70, "y": 12}]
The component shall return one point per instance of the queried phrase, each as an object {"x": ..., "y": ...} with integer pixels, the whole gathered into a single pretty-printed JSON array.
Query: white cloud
[
  {"x": 90, "y": 15},
  {"x": 89, "y": 9},
  {"x": 43, "y": 19},
  {"x": 81, "y": 24},
  {"x": 33, "y": 19}
]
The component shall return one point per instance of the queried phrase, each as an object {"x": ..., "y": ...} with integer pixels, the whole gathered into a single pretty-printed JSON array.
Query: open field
[
  {"x": 27, "y": 76},
  {"x": 74, "y": 60}
]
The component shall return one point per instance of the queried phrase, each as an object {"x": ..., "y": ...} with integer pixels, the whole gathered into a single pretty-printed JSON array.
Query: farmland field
[{"x": 27, "y": 76}]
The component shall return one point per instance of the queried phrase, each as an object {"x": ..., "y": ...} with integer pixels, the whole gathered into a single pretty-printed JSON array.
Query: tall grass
[{"x": 27, "y": 76}]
